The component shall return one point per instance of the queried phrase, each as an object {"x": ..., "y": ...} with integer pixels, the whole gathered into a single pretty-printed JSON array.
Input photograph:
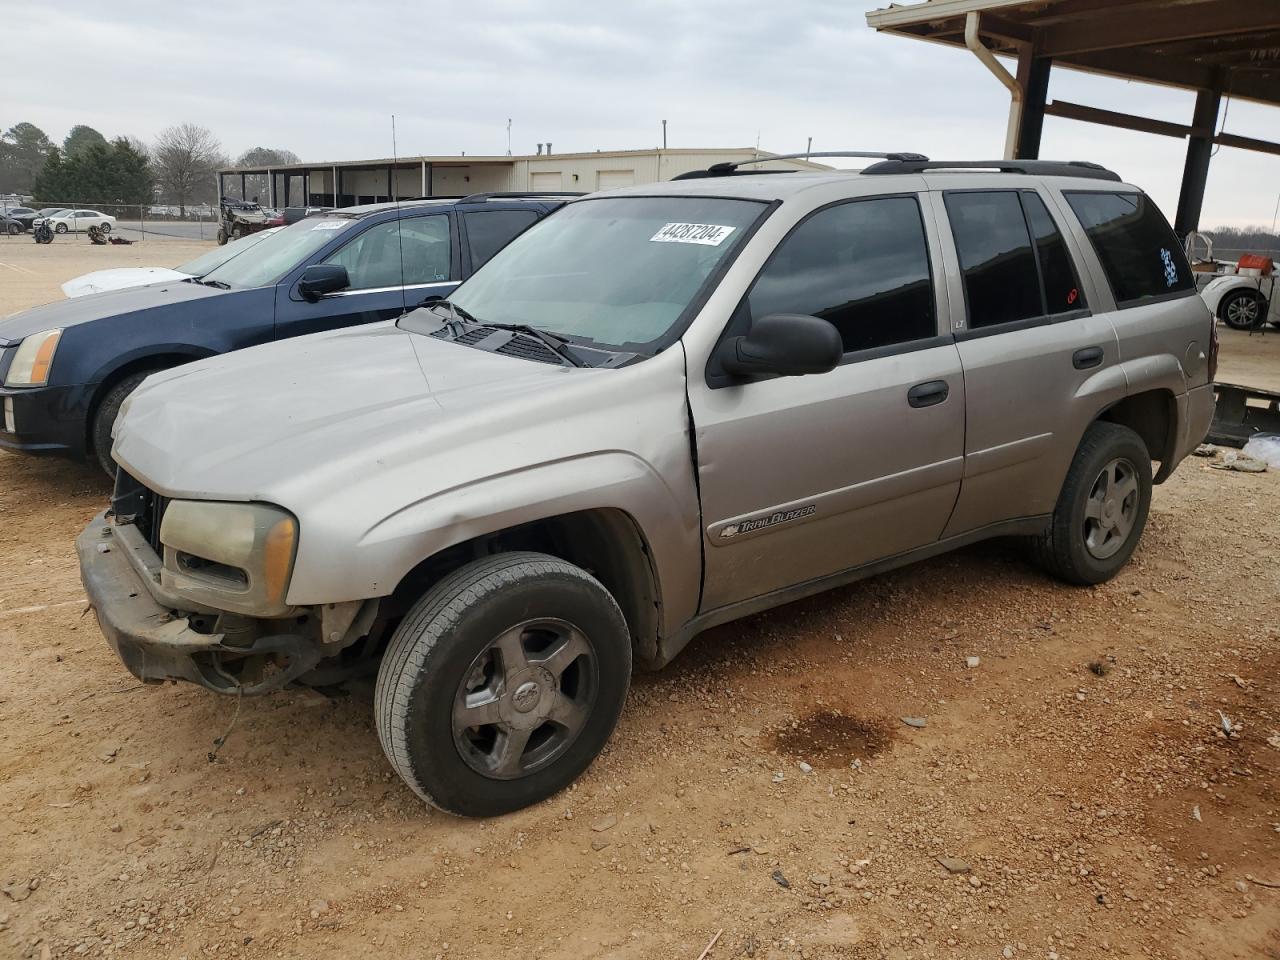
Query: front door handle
[
  {"x": 1086, "y": 357},
  {"x": 928, "y": 394}
]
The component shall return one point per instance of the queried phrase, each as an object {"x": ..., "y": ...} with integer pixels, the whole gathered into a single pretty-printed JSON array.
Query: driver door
[{"x": 804, "y": 477}]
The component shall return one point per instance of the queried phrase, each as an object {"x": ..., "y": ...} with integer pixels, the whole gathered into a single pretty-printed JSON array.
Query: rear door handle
[
  {"x": 1086, "y": 357},
  {"x": 928, "y": 394}
]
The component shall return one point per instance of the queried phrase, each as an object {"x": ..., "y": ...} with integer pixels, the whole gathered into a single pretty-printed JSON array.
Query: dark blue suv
[{"x": 66, "y": 367}]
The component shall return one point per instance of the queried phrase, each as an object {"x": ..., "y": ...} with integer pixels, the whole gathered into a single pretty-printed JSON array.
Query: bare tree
[{"x": 186, "y": 158}]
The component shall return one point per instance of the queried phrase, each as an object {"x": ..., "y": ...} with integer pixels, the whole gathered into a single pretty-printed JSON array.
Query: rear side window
[
  {"x": 1000, "y": 280},
  {"x": 1139, "y": 252},
  {"x": 1015, "y": 262},
  {"x": 862, "y": 265},
  {"x": 1062, "y": 291},
  {"x": 491, "y": 230}
]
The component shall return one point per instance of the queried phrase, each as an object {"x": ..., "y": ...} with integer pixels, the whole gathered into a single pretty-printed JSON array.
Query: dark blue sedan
[{"x": 66, "y": 367}]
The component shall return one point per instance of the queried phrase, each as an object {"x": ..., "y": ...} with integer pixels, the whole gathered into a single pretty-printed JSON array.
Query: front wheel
[
  {"x": 105, "y": 226},
  {"x": 61, "y": 228},
  {"x": 1241, "y": 309},
  {"x": 14, "y": 229},
  {"x": 104, "y": 418},
  {"x": 222, "y": 237},
  {"x": 1102, "y": 508},
  {"x": 503, "y": 683}
]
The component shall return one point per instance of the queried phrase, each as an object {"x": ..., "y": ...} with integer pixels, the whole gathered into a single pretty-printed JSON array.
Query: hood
[
  {"x": 69, "y": 313},
  {"x": 243, "y": 425},
  {"x": 101, "y": 281}
]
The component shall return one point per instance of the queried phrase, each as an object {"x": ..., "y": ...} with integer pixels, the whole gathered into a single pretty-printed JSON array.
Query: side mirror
[
  {"x": 785, "y": 345},
  {"x": 321, "y": 278}
]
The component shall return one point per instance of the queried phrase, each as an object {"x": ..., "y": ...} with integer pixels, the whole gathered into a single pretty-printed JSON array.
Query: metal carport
[{"x": 1219, "y": 48}]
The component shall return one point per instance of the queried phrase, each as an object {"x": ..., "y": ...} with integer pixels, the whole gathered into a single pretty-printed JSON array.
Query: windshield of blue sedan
[
  {"x": 279, "y": 253},
  {"x": 618, "y": 272}
]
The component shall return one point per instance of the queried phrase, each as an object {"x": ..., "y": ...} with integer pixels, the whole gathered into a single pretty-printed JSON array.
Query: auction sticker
[
  {"x": 330, "y": 224},
  {"x": 707, "y": 234}
]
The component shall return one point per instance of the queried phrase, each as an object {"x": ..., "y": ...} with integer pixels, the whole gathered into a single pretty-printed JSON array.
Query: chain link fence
[{"x": 132, "y": 221}]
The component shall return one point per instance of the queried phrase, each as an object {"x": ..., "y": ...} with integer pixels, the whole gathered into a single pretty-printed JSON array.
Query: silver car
[{"x": 659, "y": 409}]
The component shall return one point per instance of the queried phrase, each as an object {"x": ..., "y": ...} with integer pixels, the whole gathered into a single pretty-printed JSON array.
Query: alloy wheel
[
  {"x": 1112, "y": 508},
  {"x": 525, "y": 698}
]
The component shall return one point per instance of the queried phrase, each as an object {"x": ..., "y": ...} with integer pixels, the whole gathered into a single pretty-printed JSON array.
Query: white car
[
  {"x": 122, "y": 277},
  {"x": 1242, "y": 301},
  {"x": 76, "y": 220}
]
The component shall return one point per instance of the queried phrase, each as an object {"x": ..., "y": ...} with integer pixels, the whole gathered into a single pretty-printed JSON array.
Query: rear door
[
  {"x": 1033, "y": 352},
  {"x": 392, "y": 265},
  {"x": 804, "y": 477}
]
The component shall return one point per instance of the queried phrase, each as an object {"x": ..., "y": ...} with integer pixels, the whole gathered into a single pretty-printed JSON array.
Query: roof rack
[
  {"x": 1043, "y": 168},
  {"x": 521, "y": 195},
  {"x": 729, "y": 168}
]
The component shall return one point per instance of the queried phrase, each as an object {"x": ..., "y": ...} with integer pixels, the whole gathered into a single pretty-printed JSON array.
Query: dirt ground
[{"x": 764, "y": 787}]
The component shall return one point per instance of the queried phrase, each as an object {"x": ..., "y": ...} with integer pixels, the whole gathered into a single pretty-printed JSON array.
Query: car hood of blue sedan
[{"x": 61, "y": 314}]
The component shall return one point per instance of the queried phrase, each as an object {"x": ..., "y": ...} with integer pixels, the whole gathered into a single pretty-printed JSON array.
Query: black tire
[
  {"x": 222, "y": 237},
  {"x": 438, "y": 649},
  {"x": 1242, "y": 309},
  {"x": 1065, "y": 548},
  {"x": 105, "y": 226},
  {"x": 104, "y": 418},
  {"x": 60, "y": 228},
  {"x": 14, "y": 229},
  {"x": 237, "y": 232}
]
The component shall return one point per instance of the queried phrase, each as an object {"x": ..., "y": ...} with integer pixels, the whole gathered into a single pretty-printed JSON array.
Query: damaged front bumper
[{"x": 157, "y": 642}]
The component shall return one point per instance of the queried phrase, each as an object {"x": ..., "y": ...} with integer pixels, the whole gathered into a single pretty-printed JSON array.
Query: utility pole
[
  {"x": 508, "y": 136},
  {"x": 808, "y": 148},
  {"x": 664, "y": 134}
]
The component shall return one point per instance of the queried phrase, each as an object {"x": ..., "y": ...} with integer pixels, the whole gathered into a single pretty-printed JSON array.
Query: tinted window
[
  {"x": 491, "y": 230},
  {"x": 1062, "y": 291},
  {"x": 398, "y": 252},
  {"x": 1000, "y": 279},
  {"x": 1139, "y": 252},
  {"x": 864, "y": 266}
]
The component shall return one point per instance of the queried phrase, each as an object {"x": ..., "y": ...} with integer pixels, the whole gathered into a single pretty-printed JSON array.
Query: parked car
[
  {"x": 77, "y": 220},
  {"x": 68, "y": 366},
  {"x": 1243, "y": 302},
  {"x": 660, "y": 409},
  {"x": 28, "y": 219},
  {"x": 119, "y": 278},
  {"x": 23, "y": 215}
]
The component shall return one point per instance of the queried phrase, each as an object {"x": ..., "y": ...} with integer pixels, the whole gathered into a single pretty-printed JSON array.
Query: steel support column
[
  {"x": 1195, "y": 173},
  {"x": 1033, "y": 77}
]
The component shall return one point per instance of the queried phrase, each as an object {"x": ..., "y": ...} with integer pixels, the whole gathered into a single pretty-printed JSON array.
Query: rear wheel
[
  {"x": 104, "y": 418},
  {"x": 1102, "y": 509},
  {"x": 503, "y": 683},
  {"x": 1241, "y": 309}
]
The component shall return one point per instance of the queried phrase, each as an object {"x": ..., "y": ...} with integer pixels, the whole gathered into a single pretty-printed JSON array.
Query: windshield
[
  {"x": 219, "y": 255},
  {"x": 279, "y": 253},
  {"x": 617, "y": 272}
]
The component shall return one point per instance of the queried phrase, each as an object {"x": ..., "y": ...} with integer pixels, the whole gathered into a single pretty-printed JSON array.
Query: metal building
[
  {"x": 349, "y": 182},
  {"x": 1218, "y": 48}
]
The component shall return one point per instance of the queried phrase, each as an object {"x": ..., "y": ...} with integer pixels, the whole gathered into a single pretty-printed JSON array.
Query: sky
[{"x": 323, "y": 79}]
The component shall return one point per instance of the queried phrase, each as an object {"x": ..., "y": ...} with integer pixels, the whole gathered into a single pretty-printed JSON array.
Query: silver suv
[{"x": 659, "y": 409}]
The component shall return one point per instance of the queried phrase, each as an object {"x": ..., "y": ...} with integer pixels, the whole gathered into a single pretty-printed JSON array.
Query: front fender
[{"x": 665, "y": 513}]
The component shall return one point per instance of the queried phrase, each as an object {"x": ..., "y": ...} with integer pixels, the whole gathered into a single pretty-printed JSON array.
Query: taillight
[{"x": 1213, "y": 348}]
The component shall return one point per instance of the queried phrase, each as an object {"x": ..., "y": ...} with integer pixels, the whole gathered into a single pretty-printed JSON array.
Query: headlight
[
  {"x": 31, "y": 364},
  {"x": 230, "y": 556}
]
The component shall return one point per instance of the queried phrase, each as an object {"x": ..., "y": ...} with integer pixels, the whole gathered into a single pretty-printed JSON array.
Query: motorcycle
[{"x": 41, "y": 232}]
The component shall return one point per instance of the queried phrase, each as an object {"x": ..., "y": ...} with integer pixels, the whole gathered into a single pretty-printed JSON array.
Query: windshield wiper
[
  {"x": 558, "y": 345},
  {"x": 212, "y": 283},
  {"x": 454, "y": 310}
]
